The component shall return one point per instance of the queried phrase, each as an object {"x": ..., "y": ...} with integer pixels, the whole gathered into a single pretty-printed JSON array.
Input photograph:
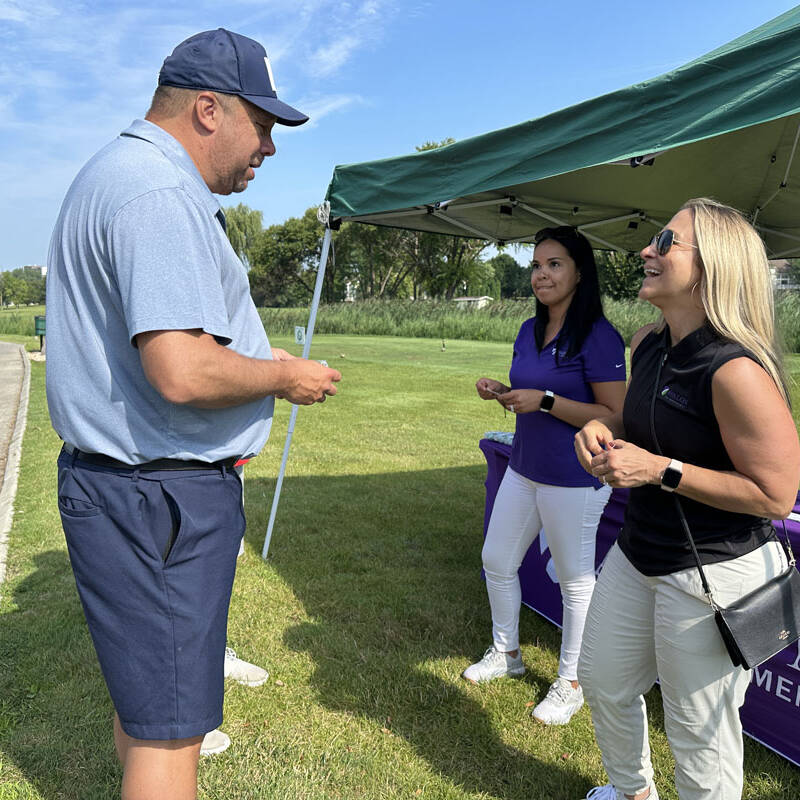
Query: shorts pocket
[
  {"x": 74, "y": 507},
  {"x": 76, "y": 497}
]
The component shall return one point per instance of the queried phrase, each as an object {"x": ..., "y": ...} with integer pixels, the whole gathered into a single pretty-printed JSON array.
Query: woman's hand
[
  {"x": 489, "y": 389},
  {"x": 624, "y": 465},
  {"x": 591, "y": 440},
  {"x": 522, "y": 401}
]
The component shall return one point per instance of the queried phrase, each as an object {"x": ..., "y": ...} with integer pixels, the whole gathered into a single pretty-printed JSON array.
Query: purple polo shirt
[{"x": 543, "y": 448}]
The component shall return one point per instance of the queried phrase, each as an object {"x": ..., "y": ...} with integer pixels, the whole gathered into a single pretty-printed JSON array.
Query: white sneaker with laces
[
  {"x": 242, "y": 671},
  {"x": 215, "y": 742},
  {"x": 561, "y": 702},
  {"x": 494, "y": 664},
  {"x": 610, "y": 792}
]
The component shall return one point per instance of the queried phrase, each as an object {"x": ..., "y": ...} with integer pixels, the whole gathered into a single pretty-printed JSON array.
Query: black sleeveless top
[{"x": 652, "y": 537}]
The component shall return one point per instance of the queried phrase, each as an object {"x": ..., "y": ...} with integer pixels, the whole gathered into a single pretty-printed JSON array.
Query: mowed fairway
[{"x": 367, "y": 610}]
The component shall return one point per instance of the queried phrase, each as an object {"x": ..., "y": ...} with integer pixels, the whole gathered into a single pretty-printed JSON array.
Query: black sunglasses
[
  {"x": 664, "y": 240},
  {"x": 561, "y": 232}
]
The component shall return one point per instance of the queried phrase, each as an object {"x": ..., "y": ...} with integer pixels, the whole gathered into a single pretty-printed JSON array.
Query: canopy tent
[{"x": 617, "y": 167}]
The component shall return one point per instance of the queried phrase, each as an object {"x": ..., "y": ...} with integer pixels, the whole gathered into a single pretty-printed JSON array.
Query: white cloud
[
  {"x": 73, "y": 73},
  {"x": 329, "y": 58},
  {"x": 323, "y": 106},
  {"x": 12, "y": 12},
  {"x": 364, "y": 25}
]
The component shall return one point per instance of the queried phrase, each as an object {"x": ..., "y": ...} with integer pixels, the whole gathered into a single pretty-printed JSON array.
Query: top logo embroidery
[{"x": 269, "y": 74}]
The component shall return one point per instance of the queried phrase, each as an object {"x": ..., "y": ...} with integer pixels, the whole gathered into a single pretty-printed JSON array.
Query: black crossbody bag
[{"x": 762, "y": 623}]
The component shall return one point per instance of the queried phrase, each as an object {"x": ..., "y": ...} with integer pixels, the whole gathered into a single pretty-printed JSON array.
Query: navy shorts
[{"x": 154, "y": 555}]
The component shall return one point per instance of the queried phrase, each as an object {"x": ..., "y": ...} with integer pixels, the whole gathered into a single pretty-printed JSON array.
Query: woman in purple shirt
[{"x": 568, "y": 367}]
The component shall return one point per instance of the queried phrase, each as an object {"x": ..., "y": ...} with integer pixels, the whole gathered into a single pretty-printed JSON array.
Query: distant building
[
  {"x": 472, "y": 302},
  {"x": 37, "y": 268},
  {"x": 782, "y": 274}
]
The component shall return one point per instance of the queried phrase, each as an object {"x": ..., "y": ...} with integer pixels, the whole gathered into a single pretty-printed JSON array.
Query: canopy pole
[
  {"x": 312, "y": 318},
  {"x": 469, "y": 228}
]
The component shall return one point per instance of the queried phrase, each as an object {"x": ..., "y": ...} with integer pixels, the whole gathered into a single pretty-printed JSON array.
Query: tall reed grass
[
  {"x": 787, "y": 320},
  {"x": 19, "y": 321},
  {"x": 438, "y": 319}
]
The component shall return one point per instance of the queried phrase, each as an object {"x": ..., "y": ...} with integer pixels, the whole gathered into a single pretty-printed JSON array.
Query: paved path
[{"x": 14, "y": 385}]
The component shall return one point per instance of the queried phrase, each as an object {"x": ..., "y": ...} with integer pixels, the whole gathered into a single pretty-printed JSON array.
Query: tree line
[
  {"x": 371, "y": 262},
  {"x": 20, "y": 287}
]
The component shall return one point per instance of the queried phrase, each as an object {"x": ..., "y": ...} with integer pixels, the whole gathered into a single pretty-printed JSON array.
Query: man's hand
[
  {"x": 281, "y": 355},
  {"x": 308, "y": 382}
]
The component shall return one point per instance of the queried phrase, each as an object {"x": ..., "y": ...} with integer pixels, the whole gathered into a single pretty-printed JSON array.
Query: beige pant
[{"x": 639, "y": 628}]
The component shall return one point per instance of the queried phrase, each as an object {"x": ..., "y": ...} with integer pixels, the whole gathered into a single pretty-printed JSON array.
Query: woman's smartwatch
[
  {"x": 672, "y": 476},
  {"x": 547, "y": 402}
]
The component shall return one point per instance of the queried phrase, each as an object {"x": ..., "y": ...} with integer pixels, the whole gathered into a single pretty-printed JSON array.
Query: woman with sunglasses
[
  {"x": 707, "y": 391},
  {"x": 568, "y": 367}
]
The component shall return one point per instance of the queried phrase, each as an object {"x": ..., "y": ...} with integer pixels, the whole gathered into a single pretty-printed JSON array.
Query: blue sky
[{"x": 377, "y": 78}]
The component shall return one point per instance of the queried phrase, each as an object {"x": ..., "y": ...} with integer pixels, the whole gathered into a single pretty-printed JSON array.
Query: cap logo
[{"x": 269, "y": 75}]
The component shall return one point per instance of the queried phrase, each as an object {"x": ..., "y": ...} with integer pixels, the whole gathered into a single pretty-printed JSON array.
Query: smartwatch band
[{"x": 672, "y": 476}]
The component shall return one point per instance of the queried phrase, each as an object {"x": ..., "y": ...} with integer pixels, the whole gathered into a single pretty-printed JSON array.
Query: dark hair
[{"x": 586, "y": 307}]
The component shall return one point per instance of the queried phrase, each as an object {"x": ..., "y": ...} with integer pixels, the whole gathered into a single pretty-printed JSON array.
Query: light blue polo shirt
[{"x": 138, "y": 247}]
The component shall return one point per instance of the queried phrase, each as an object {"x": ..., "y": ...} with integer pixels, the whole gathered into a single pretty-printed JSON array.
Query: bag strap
[{"x": 679, "y": 506}]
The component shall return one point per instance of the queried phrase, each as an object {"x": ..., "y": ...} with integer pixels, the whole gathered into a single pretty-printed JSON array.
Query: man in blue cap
[{"x": 161, "y": 382}]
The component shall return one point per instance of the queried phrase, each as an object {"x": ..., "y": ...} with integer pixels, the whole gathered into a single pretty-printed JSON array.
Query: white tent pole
[{"x": 312, "y": 318}]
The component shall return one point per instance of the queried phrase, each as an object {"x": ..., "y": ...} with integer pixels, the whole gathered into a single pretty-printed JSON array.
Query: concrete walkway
[{"x": 14, "y": 386}]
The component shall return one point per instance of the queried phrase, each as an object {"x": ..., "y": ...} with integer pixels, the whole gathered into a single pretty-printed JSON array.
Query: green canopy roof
[{"x": 618, "y": 166}]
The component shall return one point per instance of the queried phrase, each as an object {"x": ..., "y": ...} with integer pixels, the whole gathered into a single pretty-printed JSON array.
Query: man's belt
[{"x": 159, "y": 464}]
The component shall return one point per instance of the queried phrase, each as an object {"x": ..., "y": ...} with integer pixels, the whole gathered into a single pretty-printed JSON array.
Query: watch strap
[{"x": 672, "y": 475}]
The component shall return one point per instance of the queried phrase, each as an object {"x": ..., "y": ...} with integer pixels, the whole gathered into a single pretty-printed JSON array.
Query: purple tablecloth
[{"x": 771, "y": 713}]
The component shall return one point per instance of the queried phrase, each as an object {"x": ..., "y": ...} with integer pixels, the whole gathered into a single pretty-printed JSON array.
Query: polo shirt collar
[
  {"x": 690, "y": 345},
  {"x": 175, "y": 152}
]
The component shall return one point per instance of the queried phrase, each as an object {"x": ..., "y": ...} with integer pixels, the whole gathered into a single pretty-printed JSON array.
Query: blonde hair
[{"x": 736, "y": 286}]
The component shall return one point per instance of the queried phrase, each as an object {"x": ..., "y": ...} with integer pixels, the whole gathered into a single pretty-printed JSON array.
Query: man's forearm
[
  {"x": 191, "y": 368},
  {"x": 231, "y": 379}
]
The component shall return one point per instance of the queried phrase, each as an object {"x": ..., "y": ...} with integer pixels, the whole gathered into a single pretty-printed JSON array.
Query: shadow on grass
[
  {"x": 55, "y": 712},
  {"x": 388, "y": 568}
]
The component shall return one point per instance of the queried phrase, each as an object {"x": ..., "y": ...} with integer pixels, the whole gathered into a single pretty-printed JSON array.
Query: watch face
[
  {"x": 547, "y": 402},
  {"x": 671, "y": 478}
]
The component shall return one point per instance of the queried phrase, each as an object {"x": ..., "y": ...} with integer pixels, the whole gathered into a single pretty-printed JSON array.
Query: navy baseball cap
[{"x": 227, "y": 62}]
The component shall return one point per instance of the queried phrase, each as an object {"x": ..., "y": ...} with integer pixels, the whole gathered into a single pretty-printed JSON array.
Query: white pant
[
  {"x": 640, "y": 627},
  {"x": 569, "y": 516}
]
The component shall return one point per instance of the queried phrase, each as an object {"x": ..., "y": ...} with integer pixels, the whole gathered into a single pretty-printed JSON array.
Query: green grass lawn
[{"x": 367, "y": 610}]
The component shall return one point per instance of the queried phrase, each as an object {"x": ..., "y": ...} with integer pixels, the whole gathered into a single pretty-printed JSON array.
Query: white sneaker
[
  {"x": 609, "y": 792},
  {"x": 242, "y": 671},
  {"x": 494, "y": 664},
  {"x": 561, "y": 702},
  {"x": 215, "y": 742}
]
